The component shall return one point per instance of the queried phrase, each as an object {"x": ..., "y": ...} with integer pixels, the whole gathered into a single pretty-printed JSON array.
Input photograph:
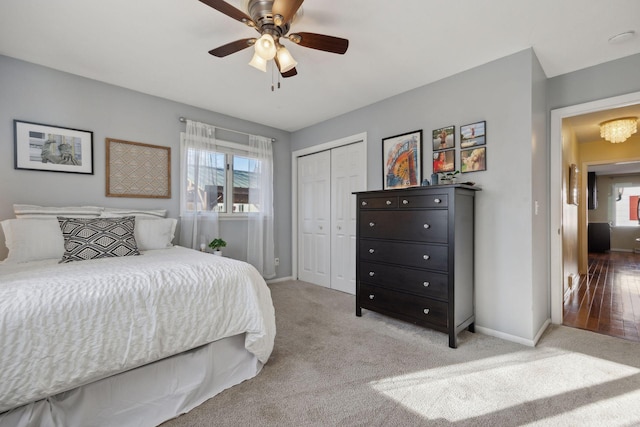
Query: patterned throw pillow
[{"x": 91, "y": 238}]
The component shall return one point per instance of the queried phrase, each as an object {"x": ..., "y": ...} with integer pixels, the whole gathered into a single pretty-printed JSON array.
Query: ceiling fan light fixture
[
  {"x": 266, "y": 47},
  {"x": 286, "y": 61},
  {"x": 258, "y": 62},
  {"x": 618, "y": 130}
]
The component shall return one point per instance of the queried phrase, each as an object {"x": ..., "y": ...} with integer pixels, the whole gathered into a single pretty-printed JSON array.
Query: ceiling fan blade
[
  {"x": 227, "y": 9},
  {"x": 285, "y": 8},
  {"x": 232, "y": 47},
  {"x": 292, "y": 72},
  {"x": 320, "y": 42}
]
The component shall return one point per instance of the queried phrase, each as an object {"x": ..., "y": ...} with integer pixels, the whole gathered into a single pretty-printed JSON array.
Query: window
[
  {"x": 219, "y": 181},
  {"x": 626, "y": 205}
]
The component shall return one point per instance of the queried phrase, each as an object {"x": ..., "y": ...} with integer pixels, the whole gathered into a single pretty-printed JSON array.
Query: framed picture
[
  {"x": 473, "y": 159},
  {"x": 444, "y": 161},
  {"x": 402, "y": 160},
  {"x": 574, "y": 192},
  {"x": 135, "y": 169},
  {"x": 52, "y": 148},
  {"x": 444, "y": 138},
  {"x": 473, "y": 134}
]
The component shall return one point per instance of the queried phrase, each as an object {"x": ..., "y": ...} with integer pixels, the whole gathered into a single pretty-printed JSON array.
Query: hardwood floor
[{"x": 607, "y": 299}]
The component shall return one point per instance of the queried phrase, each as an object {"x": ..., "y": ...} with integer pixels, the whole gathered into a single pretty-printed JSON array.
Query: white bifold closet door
[{"x": 327, "y": 215}]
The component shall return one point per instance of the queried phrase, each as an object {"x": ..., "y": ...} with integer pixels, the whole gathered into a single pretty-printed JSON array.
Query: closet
[{"x": 327, "y": 215}]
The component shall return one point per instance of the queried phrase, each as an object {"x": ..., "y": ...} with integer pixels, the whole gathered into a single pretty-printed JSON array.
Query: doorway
[{"x": 558, "y": 203}]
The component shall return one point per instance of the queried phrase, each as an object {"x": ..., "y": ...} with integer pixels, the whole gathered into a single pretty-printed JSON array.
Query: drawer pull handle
[
  {"x": 405, "y": 202},
  {"x": 426, "y": 226},
  {"x": 371, "y": 250},
  {"x": 437, "y": 200},
  {"x": 371, "y": 224},
  {"x": 371, "y": 296},
  {"x": 364, "y": 203},
  {"x": 425, "y": 311},
  {"x": 388, "y": 202},
  {"x": 372, "y": 273},
  {"x": 426, "y": 284},
  {"x": 426, "y": 257}
]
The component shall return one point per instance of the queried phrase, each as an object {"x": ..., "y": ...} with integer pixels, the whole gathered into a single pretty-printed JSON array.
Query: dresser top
[{"x": 421, "y": 189}]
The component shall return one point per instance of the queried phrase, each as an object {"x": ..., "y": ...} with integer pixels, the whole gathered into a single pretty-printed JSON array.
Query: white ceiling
[{"x": 160, "y": 47}]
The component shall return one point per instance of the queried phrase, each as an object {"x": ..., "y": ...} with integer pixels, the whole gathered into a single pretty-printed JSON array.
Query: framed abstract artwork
[
  {"x": 52, "y": 148},
  {"x": 135, "y": 169},
  {"x": 402, "y": 160}
]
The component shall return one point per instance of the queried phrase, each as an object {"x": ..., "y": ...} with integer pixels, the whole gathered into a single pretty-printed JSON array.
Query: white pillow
[
  {"x": 138, "y": 213},
  {"x": 154, "y": 233},
  {"x": 34, "y": 211},
  {"x": 32, "y": 239}
]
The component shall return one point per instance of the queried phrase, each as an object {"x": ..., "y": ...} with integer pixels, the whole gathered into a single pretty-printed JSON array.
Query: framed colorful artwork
[
  {"x": 473, "y": 134},
  {"x": 402, "y": 160},
  {"x": 473, "y": 160},
  {"x": 444, "y": 161},
  {"x": 444, "y": 138}
]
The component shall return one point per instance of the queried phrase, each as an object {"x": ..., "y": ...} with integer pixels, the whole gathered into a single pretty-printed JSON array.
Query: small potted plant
[
  {"x": 448, "y": 177},
  {"x": 216, "y": 244}
]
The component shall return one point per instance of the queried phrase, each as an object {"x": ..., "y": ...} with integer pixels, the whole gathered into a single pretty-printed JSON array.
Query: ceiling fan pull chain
[{"x": 272, "y": 84}]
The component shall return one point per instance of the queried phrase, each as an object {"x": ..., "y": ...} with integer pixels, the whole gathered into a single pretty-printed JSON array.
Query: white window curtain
[
  {"x": 199, "y": 178},
  {"x": 260, "y": 245}
]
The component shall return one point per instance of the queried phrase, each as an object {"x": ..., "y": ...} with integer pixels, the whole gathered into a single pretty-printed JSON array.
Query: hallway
[{"x": 607, "y": 301}]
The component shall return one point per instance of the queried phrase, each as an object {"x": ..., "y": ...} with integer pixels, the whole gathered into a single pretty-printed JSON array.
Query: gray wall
[
  {"x": 37, "y": 94},
  {"x": 599, "y": 82},
  {"x": 500, "y": 92}
]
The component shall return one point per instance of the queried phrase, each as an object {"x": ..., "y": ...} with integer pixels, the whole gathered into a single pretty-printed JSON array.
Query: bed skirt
[{"x": 145, "y": 396}]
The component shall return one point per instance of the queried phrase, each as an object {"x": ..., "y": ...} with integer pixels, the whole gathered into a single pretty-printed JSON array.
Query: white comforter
[{"x": 65, "y": 325}]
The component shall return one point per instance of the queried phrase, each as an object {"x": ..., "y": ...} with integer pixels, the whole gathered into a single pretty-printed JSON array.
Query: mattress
[{"x": 66, "y": 325}]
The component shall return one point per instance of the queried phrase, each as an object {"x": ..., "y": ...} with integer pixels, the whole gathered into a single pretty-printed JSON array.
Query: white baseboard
[
  {"x": 279, "y": 279},
  {"x": 514, "y": 338}
]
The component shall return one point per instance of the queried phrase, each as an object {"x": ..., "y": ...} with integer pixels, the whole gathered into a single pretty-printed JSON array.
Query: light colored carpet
[{"x": 331, "y": 368}]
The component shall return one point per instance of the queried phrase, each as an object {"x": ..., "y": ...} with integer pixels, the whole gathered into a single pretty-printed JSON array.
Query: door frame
[
  {"x": 360, "y": 137},
  {"x": 556, "y": 261}
]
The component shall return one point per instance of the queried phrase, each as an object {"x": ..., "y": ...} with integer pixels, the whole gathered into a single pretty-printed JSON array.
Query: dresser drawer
[
  {"x": 378, "y": 202},
  {"x": 430, "y": 201},
  {"x": 422, "y": 226},
  {"x": 419, "y": 255},
  {"x": 419, "y": 308},
  {"x": 419, "y": 282}
]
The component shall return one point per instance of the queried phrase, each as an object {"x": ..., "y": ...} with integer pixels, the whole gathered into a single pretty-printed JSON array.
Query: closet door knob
[
  {"x": 371, "y": 250},
  {"x": 426, "y": 226},
  {"x": 425, "y": 257},
  {"x": 425, "y": 311},
  {"x": 437, "y": 200},
  {"x": 371, "y": 224},
  {"x": 405, "y": 202},
  {"x": 388, "y": 202}
]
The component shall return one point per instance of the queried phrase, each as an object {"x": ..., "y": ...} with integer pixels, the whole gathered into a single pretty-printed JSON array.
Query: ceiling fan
[{"x": 272, "y": 19}]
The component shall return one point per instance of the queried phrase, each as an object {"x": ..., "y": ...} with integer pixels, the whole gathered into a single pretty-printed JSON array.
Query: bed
[{"x": 126, "y": 340}]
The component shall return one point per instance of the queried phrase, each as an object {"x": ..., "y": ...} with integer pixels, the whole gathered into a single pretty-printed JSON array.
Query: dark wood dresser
[{"x": 415, "y": 256}]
